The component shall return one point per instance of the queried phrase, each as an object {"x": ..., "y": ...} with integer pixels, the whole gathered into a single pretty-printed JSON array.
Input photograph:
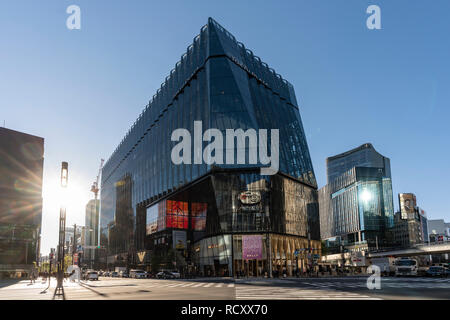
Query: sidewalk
[
  {"x": 10, "y": 284},
  {"x": 16, "y": 289}
]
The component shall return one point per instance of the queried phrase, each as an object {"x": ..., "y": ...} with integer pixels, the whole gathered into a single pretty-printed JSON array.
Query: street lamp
[
  {"x": 64, "y": 174},
  {"x": 62, "y": 231}
]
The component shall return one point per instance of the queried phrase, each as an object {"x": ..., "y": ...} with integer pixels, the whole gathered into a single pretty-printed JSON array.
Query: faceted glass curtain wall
[{"x": 221, "y": 83}]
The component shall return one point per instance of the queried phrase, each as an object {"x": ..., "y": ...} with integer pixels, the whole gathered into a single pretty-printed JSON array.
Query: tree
[{"x": 67, "y": 262}]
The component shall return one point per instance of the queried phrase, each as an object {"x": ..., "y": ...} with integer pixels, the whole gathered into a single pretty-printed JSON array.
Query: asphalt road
[{"x": 342, "y": 288}]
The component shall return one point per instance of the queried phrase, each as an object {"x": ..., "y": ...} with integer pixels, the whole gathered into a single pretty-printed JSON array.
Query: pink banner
[{"x": 251, "y": 247}]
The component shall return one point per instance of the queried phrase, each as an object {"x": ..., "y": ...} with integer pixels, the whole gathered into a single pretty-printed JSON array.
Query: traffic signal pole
[{"x": 59, "y": 291}]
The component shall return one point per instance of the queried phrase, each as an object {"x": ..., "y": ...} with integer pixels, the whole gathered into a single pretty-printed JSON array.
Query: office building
[
  {"x": 212, "y": 218},
  {"x": 91, "y": 231},
  {"x": 71, "y": 238},
  {"x": 356, "y": 205},
  {"x": 21, "y": 168},
  {"x": 410, "y": 223}
]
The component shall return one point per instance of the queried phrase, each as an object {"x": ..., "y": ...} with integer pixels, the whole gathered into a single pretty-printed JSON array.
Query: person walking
[{"x": 32, "y": 277}]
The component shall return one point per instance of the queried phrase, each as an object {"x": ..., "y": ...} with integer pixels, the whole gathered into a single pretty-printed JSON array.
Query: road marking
[
  {"x": 198, "y": 285},
  {"x": 208, "y": 285},
  {"x": 175, "y": 285},
  {"x": 280, "y": 293},
  {"x": 189, "y": 284},
  {"x": 231, "y": 285},
  {"x": 219, "y": 285}
]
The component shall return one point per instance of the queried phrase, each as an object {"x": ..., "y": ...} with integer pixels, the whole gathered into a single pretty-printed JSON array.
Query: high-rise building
[
  {"x": 410, "y": 223},
  {"x": 213, "y": 217},
  {"x": 91, "y": 231},
  {"x": 356, "y": 206},
  {"x": 21, "y": 169},
  {"x": 362, "y": 156},
  {"x": 72, "y": 239},
  {"x": 424, "y": 222}
]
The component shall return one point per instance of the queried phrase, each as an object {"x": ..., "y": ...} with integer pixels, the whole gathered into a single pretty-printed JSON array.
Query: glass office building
[
  {"x": 362, "y": 156},
  {"x": 203, "y": 217},
  {"x": 21, "y": 169},
  {"x": 356, "y": 206}
]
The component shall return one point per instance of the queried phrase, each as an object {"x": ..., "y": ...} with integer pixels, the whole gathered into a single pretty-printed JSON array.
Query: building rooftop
[
  {"x": 10, "y": 131},
  {"x": 344, "y": 154}
]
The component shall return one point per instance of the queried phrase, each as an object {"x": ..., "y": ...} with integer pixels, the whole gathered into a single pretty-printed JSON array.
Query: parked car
[
  {"x": 115, "y": 274},
  {"x": 150, "y": 275},
  {"x": 437, "y": 271},
  {"x": 106, "y": 274},
  {"x": 137, "y": 274},
  {"x": 91, "y": 275},
  {"x": 167, "y": 275},
  {"x": 124, "y": 274}
]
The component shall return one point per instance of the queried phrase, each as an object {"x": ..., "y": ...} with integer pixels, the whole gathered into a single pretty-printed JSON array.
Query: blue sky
[{"x": 82, "y": 89}]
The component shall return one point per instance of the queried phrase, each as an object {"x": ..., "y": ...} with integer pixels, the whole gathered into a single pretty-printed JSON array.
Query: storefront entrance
[{"x": 250, "y": 268}]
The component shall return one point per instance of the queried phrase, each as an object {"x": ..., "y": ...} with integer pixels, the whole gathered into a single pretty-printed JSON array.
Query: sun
[{"x": 74, "y": 198}]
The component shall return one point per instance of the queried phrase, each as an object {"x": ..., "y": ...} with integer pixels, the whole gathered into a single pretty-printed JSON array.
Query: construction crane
[{"x": 94, "y": 187}]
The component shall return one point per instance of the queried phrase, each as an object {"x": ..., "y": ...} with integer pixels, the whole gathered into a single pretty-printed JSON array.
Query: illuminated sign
[
  {"x": 250, "y": 197},
  {"x": 407, "y": 204},
  {"x": 251, "y": 247},
  {"x": 179, "y": 239}
]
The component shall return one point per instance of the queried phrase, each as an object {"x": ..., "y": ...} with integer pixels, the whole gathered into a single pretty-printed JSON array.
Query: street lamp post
[{"x": 59, "y": 291}]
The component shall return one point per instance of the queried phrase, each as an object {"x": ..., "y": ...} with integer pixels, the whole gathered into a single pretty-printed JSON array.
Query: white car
[
  {"x": 91, "y": 275},
  {"x": 138, "y": 274}
]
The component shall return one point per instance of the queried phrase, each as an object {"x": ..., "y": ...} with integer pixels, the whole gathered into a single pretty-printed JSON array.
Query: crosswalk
[
  {"x": 240, "y": 289},
  {"x": 177, "y": 284},
  {"x": 282, "y": 293},
  {"x": 414, "y": 284}
]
